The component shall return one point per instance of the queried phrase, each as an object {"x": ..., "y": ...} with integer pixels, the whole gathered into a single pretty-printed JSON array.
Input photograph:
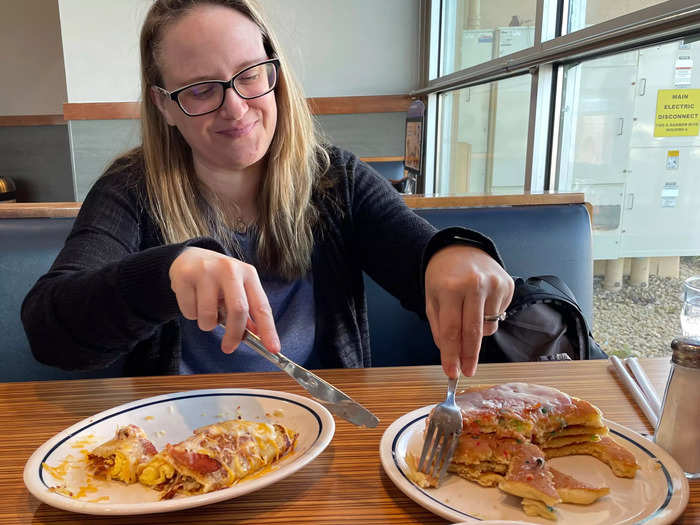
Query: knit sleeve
[{"x": 105, "y": 292}]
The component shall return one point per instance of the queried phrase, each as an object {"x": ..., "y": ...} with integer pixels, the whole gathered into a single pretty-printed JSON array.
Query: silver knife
[{"x": 336, "y": 401}]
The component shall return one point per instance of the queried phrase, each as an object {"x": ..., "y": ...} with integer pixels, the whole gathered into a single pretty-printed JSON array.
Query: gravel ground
[{"x": 640, "y": 320}]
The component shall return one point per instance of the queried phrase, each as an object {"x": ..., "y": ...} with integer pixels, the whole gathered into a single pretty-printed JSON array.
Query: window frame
[{"x": 544, "y": 61}]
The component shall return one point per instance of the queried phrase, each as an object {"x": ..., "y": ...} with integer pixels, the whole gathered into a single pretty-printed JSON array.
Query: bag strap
[
  {"x": 568, "y": 297},
  {"x": 557, "y": 283}
]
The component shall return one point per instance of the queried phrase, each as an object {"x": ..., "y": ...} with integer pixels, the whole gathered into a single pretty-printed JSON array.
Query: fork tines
[
  {"x": 441, "y": 448},
  {"x": 441, "y": 436}
]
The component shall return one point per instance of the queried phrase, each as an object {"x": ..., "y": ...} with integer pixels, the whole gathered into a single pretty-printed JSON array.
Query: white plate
[
  {"x": 658, "y": 494},
  {"x": 171, "y": 418}
]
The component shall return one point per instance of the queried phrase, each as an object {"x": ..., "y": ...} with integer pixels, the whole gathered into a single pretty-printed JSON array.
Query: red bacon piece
[
  {"x": 194, "y": 460},
  {"x": 148, "y": 447}
]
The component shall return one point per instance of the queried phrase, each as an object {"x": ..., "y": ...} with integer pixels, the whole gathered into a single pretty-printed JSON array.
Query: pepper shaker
[{"x": 678, "y": 431}]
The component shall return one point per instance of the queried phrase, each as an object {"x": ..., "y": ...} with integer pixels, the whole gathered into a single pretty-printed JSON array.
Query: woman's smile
[{"x": 239, "y": 130}]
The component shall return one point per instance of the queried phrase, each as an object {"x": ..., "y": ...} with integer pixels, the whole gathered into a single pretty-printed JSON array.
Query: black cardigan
[{"x": 107, "y": 296}]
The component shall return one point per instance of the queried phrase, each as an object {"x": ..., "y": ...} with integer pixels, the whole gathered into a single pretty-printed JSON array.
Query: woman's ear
[{"x": 161, "y": 103}]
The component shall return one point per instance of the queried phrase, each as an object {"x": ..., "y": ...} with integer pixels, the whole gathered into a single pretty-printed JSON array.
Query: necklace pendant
[{"x": 240, "y": 225}]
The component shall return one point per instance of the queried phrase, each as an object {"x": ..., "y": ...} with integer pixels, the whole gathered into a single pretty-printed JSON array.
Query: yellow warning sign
[{"x": 677, "y": 113}]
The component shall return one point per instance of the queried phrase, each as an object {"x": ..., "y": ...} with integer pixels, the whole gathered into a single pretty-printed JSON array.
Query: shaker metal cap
[{"x": 686, "y": 351}]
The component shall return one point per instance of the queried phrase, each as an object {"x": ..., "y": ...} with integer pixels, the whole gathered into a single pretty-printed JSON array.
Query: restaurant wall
[
  {"x": 97, "y": 142},
  {"x": 344, "y": 49},
  {"x": 33, "y": 84}
]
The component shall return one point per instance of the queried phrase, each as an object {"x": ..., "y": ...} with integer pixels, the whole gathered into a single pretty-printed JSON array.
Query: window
[
  {"x": 476, "y": 32},
  {"x": 472, "y": 51},
  {"x": 586, "y": 96},
  {"x": 482, "y": 150},
  {"x": 630, "y": 142},
  {"x": 585, "y": 13}
]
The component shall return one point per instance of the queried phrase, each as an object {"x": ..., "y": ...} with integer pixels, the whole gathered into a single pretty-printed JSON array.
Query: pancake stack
[{"x": 510, "y": 430}]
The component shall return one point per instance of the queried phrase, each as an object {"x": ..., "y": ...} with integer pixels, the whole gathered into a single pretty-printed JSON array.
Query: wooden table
[{"x": 345, "y": 484}]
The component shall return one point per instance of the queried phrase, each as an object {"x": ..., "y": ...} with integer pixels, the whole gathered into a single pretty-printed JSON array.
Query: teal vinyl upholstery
[
  {"x": 532, "y": 240},
  {"x": 27, "y": 249}
]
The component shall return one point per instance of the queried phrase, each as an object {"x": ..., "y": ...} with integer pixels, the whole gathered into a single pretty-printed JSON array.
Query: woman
[{"x": 232, "y": 210}]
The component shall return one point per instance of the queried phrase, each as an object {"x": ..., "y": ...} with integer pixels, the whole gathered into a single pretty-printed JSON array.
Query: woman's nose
[{"x": 234, "y": 106}]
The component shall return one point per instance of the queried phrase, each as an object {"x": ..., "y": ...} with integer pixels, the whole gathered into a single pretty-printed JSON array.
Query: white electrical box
[
  {"x": 630, "y": 143},
  {"x": 663, "y": 183}
]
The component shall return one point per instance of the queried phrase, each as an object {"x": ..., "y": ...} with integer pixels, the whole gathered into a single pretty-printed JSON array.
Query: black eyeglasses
[{"x": 207, "y": 96}]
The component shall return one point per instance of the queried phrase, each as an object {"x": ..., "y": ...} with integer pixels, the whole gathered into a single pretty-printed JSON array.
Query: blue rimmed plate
[
  {"x": 657, "y": 495},
  {"x": 170, "y": 418}
]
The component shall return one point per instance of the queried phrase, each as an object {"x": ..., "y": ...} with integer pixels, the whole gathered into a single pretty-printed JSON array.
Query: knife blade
[{"x": 336, "y": 401}]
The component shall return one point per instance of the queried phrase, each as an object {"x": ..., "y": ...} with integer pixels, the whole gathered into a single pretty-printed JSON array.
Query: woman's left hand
[{"x": 462, "y": 285}]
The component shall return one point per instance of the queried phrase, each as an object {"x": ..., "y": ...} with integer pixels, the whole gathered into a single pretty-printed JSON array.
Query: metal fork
[{"x": 441, "y": 437}]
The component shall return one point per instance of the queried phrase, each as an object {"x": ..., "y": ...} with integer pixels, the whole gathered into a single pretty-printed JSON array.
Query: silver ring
[{"x": 494, "y": 318}]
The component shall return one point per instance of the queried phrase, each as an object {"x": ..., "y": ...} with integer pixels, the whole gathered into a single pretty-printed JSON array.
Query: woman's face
[{"x": 215, "y": 43}]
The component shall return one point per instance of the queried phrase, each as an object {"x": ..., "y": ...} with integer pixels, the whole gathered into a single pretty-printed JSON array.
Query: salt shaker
[{"x": 679, "y": 426}]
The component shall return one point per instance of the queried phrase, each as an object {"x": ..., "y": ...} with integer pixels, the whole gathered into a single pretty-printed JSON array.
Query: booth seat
[{"x": 532, "y": 239}]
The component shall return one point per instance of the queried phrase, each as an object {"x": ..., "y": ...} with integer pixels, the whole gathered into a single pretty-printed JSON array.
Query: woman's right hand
[{"x": 204, "y": 281}]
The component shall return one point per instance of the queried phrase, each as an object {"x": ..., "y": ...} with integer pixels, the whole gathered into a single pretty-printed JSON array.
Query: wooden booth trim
[
  {"x": 319, "y": 106},
  {"x": 528, "y": 199},
  {"x": 51, "y": 210},
  {"x": 101, "y": 110},
  {"x": 382, "y": 159},
  {"x": 132, "y": 110},
  {"x": 31, "y": 120},
  {"x": 365, "y": 104},
  {"x": 18, "y": 210}
]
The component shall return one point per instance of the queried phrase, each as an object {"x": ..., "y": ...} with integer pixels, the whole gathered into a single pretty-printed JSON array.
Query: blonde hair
[{"x": 296, "y": 160}]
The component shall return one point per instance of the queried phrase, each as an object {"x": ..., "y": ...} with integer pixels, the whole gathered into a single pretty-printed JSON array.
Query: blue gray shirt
[{"x": 292, "y": 304}]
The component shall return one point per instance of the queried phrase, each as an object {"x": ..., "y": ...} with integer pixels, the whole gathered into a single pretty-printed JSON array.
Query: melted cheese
[
  {"x": 98, "y": 500},
  {"x": 84, "y": 491},
  {"x": 82, "y": 443},
  {"x": 59, "y": 471},
  {"x": 218, "y": 456}
]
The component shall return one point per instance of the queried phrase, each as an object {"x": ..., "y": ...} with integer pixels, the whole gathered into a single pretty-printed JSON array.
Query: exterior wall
[{"x": 97, "y": 142}]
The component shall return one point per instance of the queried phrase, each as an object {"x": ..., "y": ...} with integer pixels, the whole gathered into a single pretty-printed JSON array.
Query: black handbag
[{"x": 543, "y": 322}]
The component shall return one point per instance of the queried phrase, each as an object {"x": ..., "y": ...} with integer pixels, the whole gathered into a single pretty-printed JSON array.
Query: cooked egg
[{"x": 156, "y": 471}]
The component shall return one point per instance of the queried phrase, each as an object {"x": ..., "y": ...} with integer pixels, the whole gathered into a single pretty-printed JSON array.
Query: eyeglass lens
[{"x": 249, "y": 83}]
